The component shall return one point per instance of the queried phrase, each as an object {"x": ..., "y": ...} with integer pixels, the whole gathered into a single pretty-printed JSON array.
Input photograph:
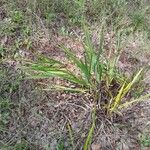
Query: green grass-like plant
[
  {"x": 96, "y": 76},
  {"x": 90, "y": 134}
]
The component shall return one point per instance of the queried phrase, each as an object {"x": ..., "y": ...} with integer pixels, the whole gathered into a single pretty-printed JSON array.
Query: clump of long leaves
[
  {"x": 95, "y": 75},
  {"x": 90, "y": 67}
]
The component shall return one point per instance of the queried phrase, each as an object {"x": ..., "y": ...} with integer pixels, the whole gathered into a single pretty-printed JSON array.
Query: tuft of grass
[
  {"x": 96, "y": 76},
  {"x": 16, "y": 16},
  {"x": 139, "y": 19}
]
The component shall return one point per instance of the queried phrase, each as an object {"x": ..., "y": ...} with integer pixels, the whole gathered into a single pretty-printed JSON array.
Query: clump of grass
[
  {"x": 139, "y": 19},
  {"x": 96, "y": 76}
]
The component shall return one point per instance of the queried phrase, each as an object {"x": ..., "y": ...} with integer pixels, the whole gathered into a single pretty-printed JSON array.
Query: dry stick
[{"x": 77, "y": 106}]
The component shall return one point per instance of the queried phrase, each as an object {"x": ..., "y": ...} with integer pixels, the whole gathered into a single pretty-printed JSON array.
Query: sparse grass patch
[
  {"x": 7, "y": 89},
  {"x": 144, "y": 137},
  {"x": 22, "y": 145}
]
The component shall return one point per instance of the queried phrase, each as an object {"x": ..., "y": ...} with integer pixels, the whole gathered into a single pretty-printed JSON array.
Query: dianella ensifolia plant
[
  {"x": 96, "y": 75},
  {"x": 90, "y": 67}
]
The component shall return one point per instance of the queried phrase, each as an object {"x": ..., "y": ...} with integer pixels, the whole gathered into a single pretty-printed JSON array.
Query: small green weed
[
  {"x": 2, "y": 51},
  {"x": 8, "y": 27},
  {"x": 16, "y": 16},
  {"x": 26, "y": 31},
  {"x": 50, "y": 17},
  {"x": 139, "y": 20},
  {"x": 5, "y": 107},
  {"x": 145, "y": 140},
  {"x": 60, "y": 146},
  {"x": 64, "y": 31},
  {"x": 144, "y": 137}
]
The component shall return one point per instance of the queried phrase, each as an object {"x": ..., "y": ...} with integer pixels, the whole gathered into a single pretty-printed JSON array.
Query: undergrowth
[
  {"x": 21, "y": 22},
  {"x": 100, "y": 78}
]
